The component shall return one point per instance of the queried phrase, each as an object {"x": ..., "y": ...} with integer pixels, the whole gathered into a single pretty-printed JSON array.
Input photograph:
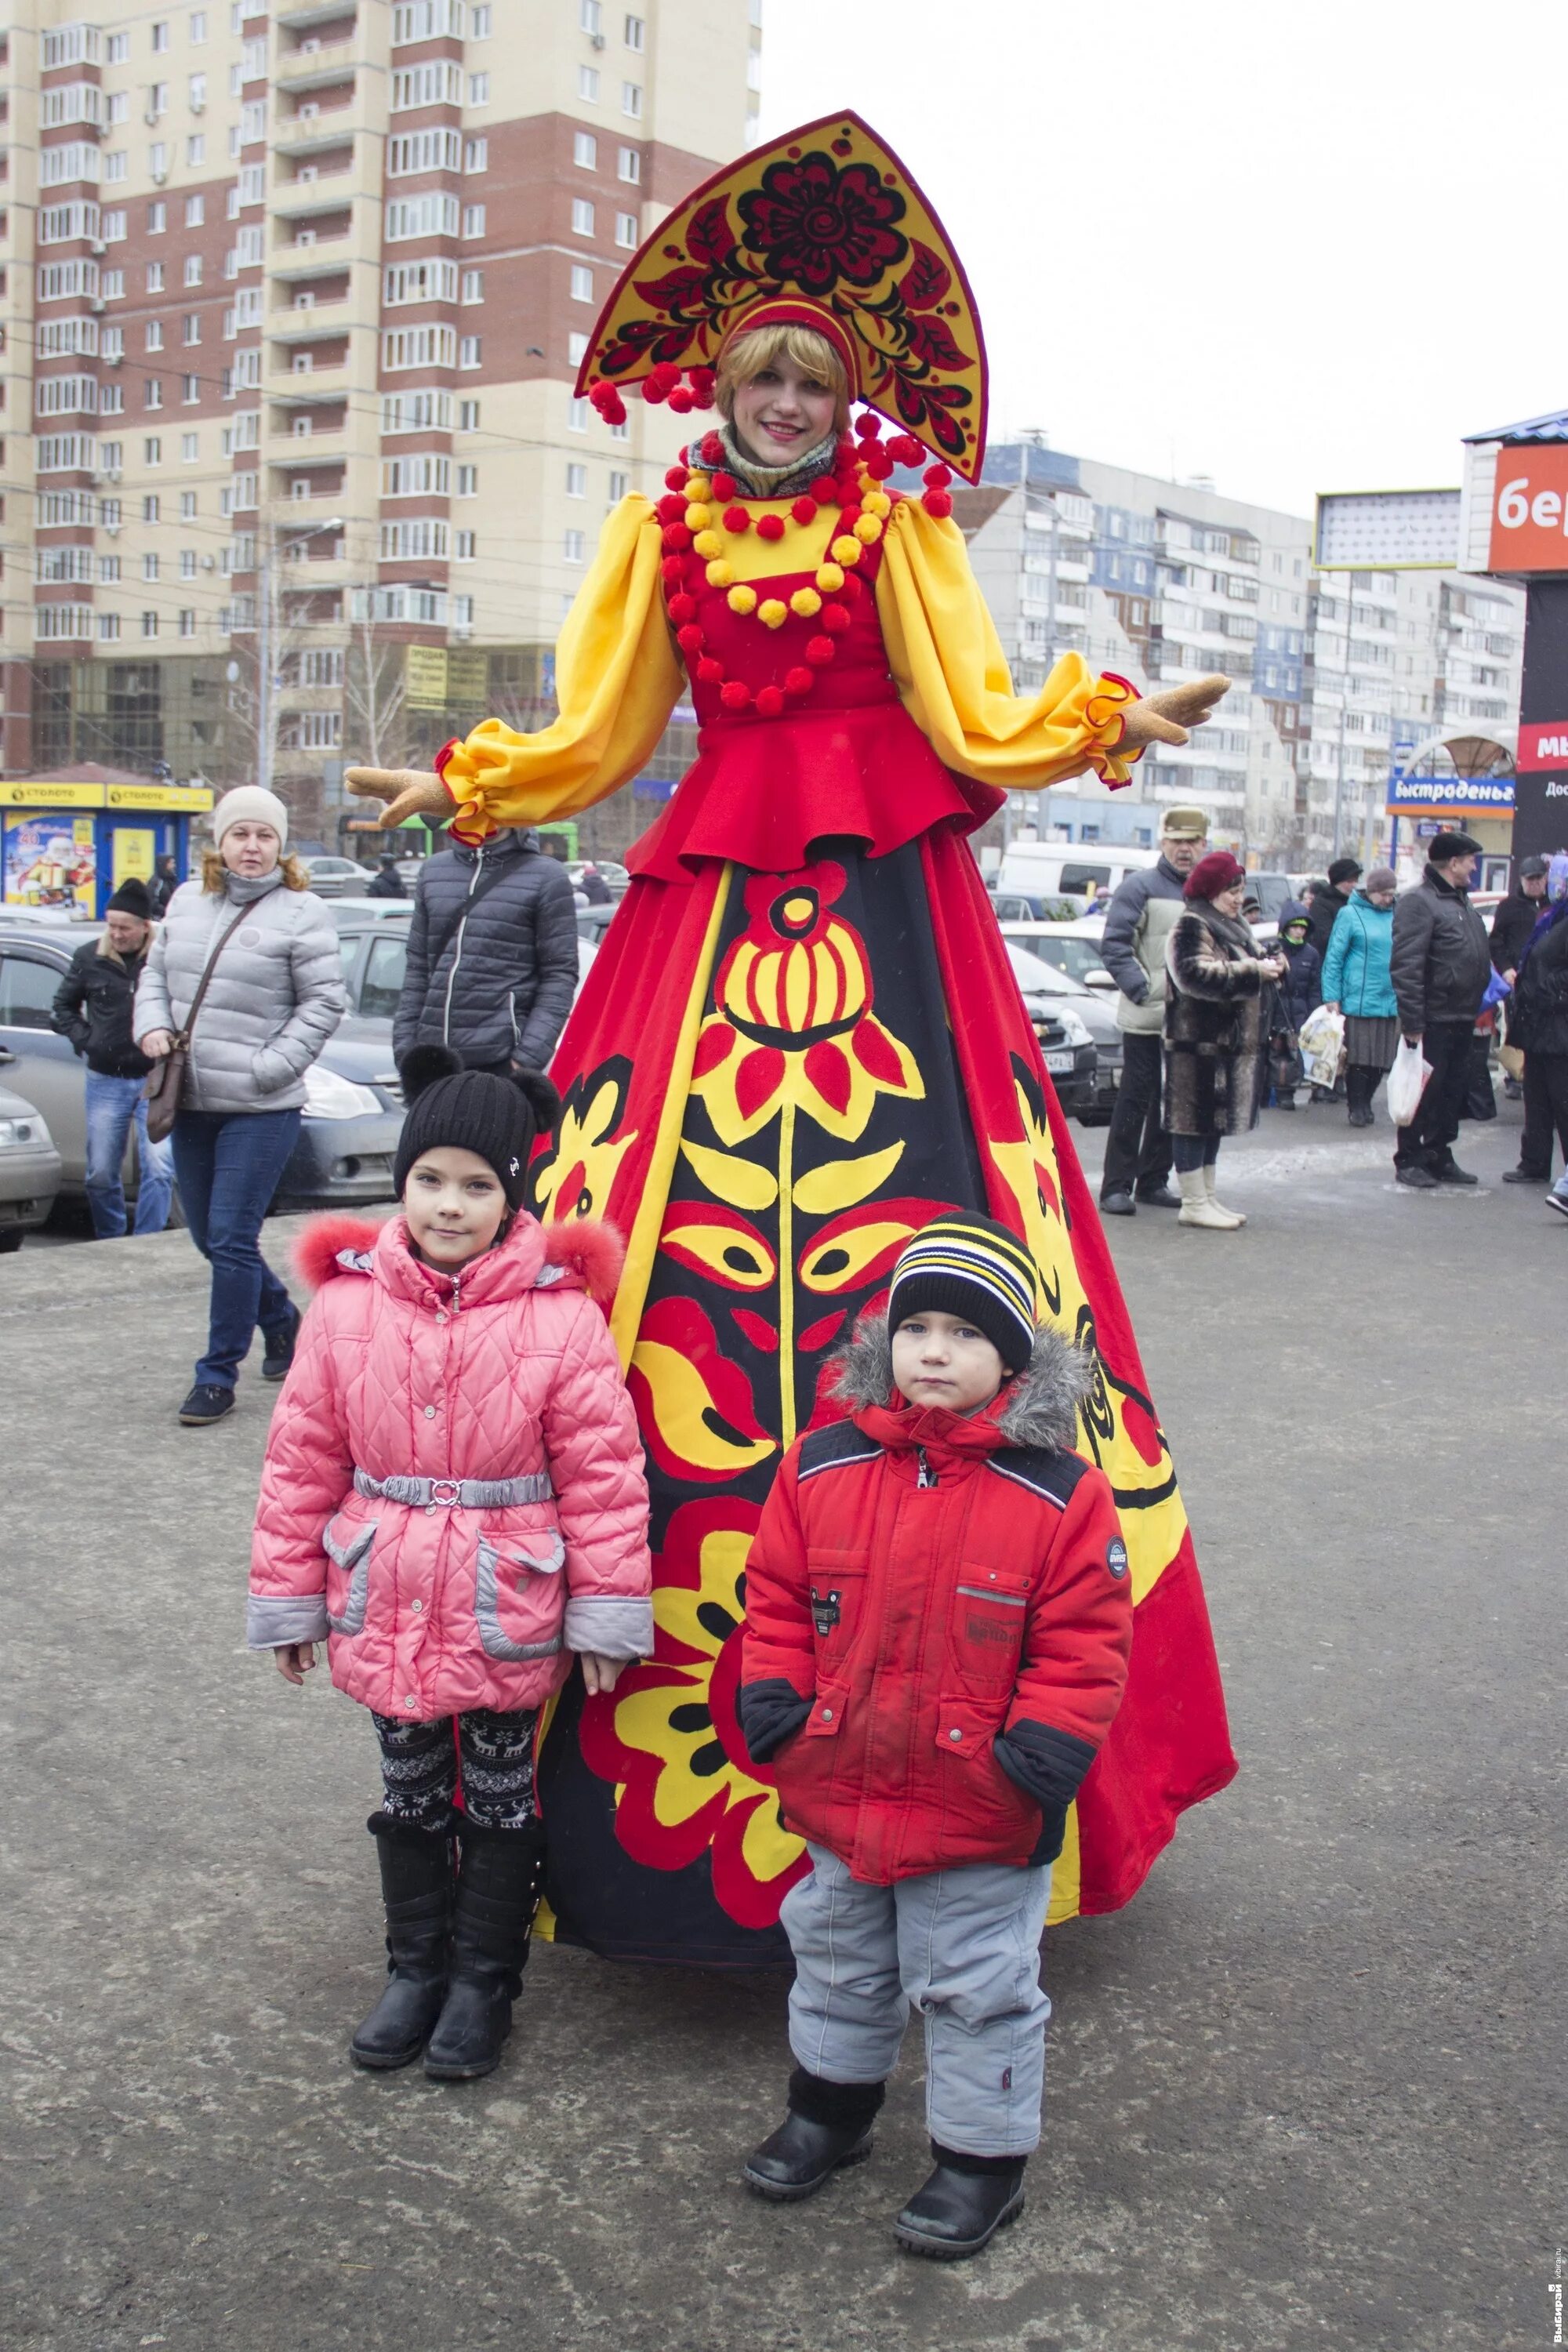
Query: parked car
[
  {"x": 618, "y": 877},
  {"x": 334, "y": 878},
  {"x": 1044, "y": 980},
  {"x": 1072, "y": 948},
  {"x": 1031, "y": 907},
  {"x": 1067, "y": 1049},
  {"x": 592, "y": 923},
  {"x": 353, "y": 1115},
  {"x": 29, "y": 1167}
]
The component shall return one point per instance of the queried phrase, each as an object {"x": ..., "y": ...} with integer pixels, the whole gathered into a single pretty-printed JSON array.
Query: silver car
[
  {"x": 29, "y": 1167},
  {"x": 333, "y": 877}
]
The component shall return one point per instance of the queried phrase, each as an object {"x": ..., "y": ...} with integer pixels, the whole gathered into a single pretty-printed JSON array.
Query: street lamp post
[{"x": 266, "y": 720}]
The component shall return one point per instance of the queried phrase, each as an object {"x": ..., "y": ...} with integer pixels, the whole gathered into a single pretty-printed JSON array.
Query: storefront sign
[
  {"x": 1450, "y": 796},
  {"x": 467, "y": 677},
  {"x": 47, "y": 795},
  {"x": 1544, "y": 743},
  {"x": 1387, "y": 530},
  {"x": 1529, "y": 509},
  {"x": 167, "y": 797},
  {"x": 424, "y": 676}
]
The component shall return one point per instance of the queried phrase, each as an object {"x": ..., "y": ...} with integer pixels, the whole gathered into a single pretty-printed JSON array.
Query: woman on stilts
[{"x": 801, "y": 1040}]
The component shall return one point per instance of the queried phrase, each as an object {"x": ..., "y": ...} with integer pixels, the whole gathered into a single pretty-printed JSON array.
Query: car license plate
[{"x": 1061, "y": 1062}]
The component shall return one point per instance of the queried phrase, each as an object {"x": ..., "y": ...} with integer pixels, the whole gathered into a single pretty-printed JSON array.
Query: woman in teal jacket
[{"x": 1356, "y": 983}]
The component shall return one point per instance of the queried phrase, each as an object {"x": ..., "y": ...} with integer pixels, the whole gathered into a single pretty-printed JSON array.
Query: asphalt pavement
[{"x": 1306, "y": 2091}]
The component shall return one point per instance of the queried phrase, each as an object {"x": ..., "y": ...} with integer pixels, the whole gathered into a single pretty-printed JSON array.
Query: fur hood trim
[
  {"x": 1039, "y": 1406},
  {"x": 581, "y": 1250}
]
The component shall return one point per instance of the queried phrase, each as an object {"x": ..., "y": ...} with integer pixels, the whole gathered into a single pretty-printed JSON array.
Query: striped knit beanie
[{"x": 969, "y": 1265}]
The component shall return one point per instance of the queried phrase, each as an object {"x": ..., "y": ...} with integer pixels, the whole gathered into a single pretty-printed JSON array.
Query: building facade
[
  {"x": 1337, "y": 678},
  {"x": 293, "y": 299}
]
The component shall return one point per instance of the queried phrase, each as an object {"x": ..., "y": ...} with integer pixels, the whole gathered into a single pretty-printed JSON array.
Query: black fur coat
[{"x": 1216, "y": 1030}]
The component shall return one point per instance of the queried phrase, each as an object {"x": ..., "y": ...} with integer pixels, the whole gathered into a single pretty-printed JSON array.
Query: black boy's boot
[
  {"x": 828, "y": 2126},
  {"x": 963, "y": 2204},
  {"x": 417, "y": 1888},
  {"x": 498, "y": 1894}
]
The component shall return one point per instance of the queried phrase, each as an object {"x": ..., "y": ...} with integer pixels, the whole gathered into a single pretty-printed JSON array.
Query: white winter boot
[
  {"x": 1233, "y": 1214},
  {"x": 1197, "y": 1208}
]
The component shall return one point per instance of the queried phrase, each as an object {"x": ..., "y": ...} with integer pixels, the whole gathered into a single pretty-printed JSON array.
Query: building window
[
  {"x": 473, "y": 220},
  {"x": 149, "y": 624},
  {"x": 108, "y": 626},
  {"x": 477, "y": 156},
  {"x": 190, "y": 395},
  {"x": 423, "y": 151},
  {"x": 631, "y": 99},
  {"x": 585, "y": 150},
  {"x": 465, "y": 547},
  {"x": 154, "y": 277},
  {"x": 626, "y": 230},
  {"x": 152, "y": 455},
  {"x": 582, "y": 283},
  {"x": 577, "y": 350},
  {"x": 473, "y": 285},
  {"x": 187, "y": 563},
  {"x": 620, "y": 485},
  {"x": 440, "y": 83},
  {"x": 117, "y": 50},
  {"x": 113, "y": 233},
  {"x": 160, "y": 34},
  {"x": 629, "y": 167},
  {"x": 573, "y": 547},
  {"x": 582, "y": 216},
  {"x": 470, "y": 352},
  {"x": 154, "y": 334},
  {"x": 196, "y": 217},
  {"x": 153, "y": 397},
  {"x": 576, "y": 481},
  {"x": 108, "y": 571},
  {"x": 198, "y": 26},
  {"x": 193, "y": 268},
  {"x": 429, "y": 216},
  {"x": 149, "y": 567},
  {"x": 588, "y": 84},
  {"x": 115, "y": 166},
  {"x": 463, "y": 616},
  {"x": 467, "y": 416},
  {"x": 635, "y": 33},
  {"x": 576, "y": 416},
  {"x": 590, "y": 17},
  {"x": 192, "y": 327},
  {"x": 468, "y": 481},
  {"x": 190, "y": 448},
  {"x": 483, "y": 24},
  {"x": 478, "y": 90}
]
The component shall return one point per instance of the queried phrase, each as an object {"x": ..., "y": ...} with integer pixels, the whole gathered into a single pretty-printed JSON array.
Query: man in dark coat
[
  {"x": 161, "y": 890},
  {"x": 1440, "y": 967},
  {"x": 388, "y": 883},
  {"x": 1516, "y": 918},
  {"x": 492, "y": 955},
  {"x": 1325, "y": 899},
  {"x": 594, "y": 887},
  {"x": 1141, "y": 918},
  {"x": 92, "y": 1007}
]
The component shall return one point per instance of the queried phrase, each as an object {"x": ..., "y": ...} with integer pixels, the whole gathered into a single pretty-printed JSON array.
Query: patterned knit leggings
[{"x": 493, "y": 1754}]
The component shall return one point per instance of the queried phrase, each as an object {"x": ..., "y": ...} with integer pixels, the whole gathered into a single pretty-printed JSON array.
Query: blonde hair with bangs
[{"x": 744, "y": 357}]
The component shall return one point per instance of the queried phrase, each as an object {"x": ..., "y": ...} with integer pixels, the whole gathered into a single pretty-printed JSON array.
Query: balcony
[
  {"x": 299, "y": 451},
  {"x": 309, "y": 322},
  {"x": 316, "y": 68},
  {"x": 300, "y": 17},
  {"x": 293, "y": 136},
  {"x": 300, "y": 199},
  {"x": 281, "y": 382},
  {"x": 301, "y": 265}
]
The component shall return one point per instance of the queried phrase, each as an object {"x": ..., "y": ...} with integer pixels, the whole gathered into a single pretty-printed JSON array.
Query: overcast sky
[{"x": 1296, "y": 247}]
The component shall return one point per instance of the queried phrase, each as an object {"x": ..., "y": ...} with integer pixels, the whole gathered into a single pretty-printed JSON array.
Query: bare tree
[{"x": 375, "y": 698}]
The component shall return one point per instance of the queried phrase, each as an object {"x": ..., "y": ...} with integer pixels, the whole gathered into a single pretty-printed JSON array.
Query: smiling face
[
  {"x": 454, "y": 1204},
  {"x": 250, "y": 848},
  {"x": 782, "y": 413},
  {"x": 940, "y": 1359}
]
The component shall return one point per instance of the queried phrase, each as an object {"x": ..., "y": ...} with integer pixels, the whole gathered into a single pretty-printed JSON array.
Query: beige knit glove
[
  {"x": 412, "y": 792},
  {"x": 1166, "y": 716}
]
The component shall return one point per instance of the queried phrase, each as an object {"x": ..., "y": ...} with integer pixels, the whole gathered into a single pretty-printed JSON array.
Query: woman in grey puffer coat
[{"x": 275, "y": 997}]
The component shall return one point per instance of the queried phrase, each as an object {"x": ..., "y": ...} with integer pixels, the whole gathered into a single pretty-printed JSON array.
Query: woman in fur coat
[{"x": 1217, "y": 1038}]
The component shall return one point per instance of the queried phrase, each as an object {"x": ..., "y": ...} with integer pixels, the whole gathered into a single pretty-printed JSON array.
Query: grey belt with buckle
[{"x": 455, "y": 1494}]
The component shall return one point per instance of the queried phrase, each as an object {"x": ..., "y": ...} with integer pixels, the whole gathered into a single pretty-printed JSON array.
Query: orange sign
[{"x": 1529, "y": 511}]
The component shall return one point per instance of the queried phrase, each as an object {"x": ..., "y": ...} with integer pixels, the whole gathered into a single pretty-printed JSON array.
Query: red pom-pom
[
  {"x": 835, "y": 619},
  {"x": 735, "y": 693},
  {"x": 672, "y": 570},
  {"x": 798, "y": 681},
  {"x": 675, "y": 479},
  {"x": 671, "y": 508},
  {"x": 709, "y": 670},
  {"x": 682, "y": 608},
  {"x": 724, "y": 485},
  {"x": 652, "y": 390},
  {"x": 804, "y": 510},
  {"x": 867, "y": 424},
  {"x": 681, "y": 400},
  {"x": 849, "y": 518},
  {"x": 690, "y": 639},
  {"x": 677, "y": 538},
  {"x": 879, "y": 465},
  {"x": 819, "y": 651},
  {"x": 736, "y": 520},
  {"x": 769, "y": 701},
  {"x": 666, "y": 375},
  {"x": 770, "y": 527},
  {"x": 824, "y": 491},
  {"x": 937, "y": 477},
  {"x": 906, "y": 449},
  {"x": 701, "y": 380},
  {"x": 712, "y": 450},
  {"x": 853, "y": 585},
  {"x": 937, "y": 503}
]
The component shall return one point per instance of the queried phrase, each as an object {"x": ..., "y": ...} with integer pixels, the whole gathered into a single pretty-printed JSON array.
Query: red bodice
[{"x": 847, "y": 758}]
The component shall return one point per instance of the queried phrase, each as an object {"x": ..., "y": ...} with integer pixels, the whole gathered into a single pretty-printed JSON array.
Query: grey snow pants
[{"x": 963, "y": 1947}]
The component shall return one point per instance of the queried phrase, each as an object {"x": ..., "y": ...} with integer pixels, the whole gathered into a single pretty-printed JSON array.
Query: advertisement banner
[
  {"x": 44, "y": 794},
  {"x": 1529, "y": 509},
  {"x": 1450, "y": 796},
  {"x": 425, "y": 676},
  {"x": 50, "y": 861}
]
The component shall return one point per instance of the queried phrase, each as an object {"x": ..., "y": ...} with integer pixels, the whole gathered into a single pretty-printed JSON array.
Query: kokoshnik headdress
[{"x": 824, "y": 229}]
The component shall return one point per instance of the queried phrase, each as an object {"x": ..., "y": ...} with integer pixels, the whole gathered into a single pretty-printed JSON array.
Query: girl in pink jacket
[{"x": 453, "y": 1499}]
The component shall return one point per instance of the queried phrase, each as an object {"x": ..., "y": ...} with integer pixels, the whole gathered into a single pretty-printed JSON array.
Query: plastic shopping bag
[
  {"x": 1407, "y": 1083},
  {"x": 1322, "y": 1039}
]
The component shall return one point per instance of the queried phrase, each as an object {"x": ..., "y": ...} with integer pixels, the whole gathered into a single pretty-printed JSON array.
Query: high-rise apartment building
[
  {"x": 293, "y": 299},
  {"x": 1337, "y": 676}
]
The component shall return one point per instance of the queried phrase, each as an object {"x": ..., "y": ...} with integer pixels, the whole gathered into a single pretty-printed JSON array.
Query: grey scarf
[
  {"x": 244, "y": 889},
  {"x": 756, "y": 480}
]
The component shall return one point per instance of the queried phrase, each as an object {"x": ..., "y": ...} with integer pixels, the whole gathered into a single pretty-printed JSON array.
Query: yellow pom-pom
[
  {"x": 698, "y": 486},
  {"x": 869, "y": 529},
  {"x": 742, "y": 599},
  {"x": 772, "y": 613},
  {"x": 707, "y": 544},
  {"x": 719, "y": 576},
  {"x": 828, "y": 578},
  {"x": 878, "y": 502},
  {"x": 698, "y": 516},
  {"x": 846, "y": 550},
  {"x": 806, "y": 602}
]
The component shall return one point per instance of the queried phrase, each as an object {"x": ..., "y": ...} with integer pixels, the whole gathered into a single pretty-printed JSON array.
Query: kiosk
[{"x": 69, "y": 840}]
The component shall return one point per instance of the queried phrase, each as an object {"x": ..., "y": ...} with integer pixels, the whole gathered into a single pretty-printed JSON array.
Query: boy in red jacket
[{"x": 938, "y": 1619}]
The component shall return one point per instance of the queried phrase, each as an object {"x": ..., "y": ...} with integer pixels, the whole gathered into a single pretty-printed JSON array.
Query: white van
[{"x": 1048, "y": 868}]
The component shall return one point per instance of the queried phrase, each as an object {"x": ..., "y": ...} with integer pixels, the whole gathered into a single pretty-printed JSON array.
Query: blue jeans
[
  {"x": 111, "y": 1104},
  {"x": 228, "y": 1165}
]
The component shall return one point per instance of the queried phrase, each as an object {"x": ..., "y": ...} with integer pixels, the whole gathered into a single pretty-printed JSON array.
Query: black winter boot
[
  {"x": 1361, "y": 1085},
  {"x": 498, "y": 1881},
  {"x": 828, "y": 2126},
  {"x": 963, "y": 2204},
  {"x": 416, "y": 1887}
]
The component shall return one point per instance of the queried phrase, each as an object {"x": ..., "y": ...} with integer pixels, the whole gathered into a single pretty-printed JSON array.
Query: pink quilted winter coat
[{"x": 505, "y": 1370}]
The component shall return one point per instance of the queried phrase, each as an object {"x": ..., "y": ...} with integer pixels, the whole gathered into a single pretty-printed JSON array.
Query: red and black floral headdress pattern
[{"x": 825, "y": 226}]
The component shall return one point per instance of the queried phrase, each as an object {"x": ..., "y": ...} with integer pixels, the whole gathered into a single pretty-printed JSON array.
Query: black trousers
[
  {"x": 1545, "y": 1108},
  {"x": 1428, "y": 1140},
  {"x": 1137, "y": 1150}
]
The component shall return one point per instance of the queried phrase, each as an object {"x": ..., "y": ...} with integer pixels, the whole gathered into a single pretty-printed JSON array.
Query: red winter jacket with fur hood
[
  {"x": 938, "y": 1619},
  {"x": 445, "y": 1602}
]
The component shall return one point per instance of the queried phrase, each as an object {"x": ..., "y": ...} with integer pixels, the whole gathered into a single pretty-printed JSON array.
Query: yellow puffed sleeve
[
  {"x": 617, "y": 678},
  {"x": 953, "y": 676}
]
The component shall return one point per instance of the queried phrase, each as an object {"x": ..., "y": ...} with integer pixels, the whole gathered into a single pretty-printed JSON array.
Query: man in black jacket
[
  {"x": 92, "y": 1007},
  {"x": 388, "y": 883},
  {"x": 492, "y": 955},
  {"x": 1516, "y": 916},
  {"x": 1326, "y": 900},
  {"x": 1141, "y": 918},
  {"x": 1440, "y": 966}
]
